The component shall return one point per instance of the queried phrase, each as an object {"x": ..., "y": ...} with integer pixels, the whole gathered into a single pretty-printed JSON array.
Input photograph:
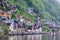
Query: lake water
[
  {"x": 25, "y": 37},
  {"x": 55, "y": 36}
]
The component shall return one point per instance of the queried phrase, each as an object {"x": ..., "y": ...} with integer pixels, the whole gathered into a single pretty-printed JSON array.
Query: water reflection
[
  {"x": 26, "y": 37},
  {"x": 55, "y": 36}
]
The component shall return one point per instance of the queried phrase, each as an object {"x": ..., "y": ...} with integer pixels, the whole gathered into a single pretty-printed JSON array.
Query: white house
[{"x": 10, "y": 24}]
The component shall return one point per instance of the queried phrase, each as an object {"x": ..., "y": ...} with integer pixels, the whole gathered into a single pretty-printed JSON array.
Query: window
[{"x": 8, "y": 24}]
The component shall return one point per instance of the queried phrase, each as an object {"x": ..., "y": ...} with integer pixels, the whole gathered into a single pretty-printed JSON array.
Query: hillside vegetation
[{"x": 45, "y": 8}]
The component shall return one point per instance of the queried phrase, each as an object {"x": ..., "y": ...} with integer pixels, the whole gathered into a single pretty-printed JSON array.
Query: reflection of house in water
[{"x": 26, "y": 37}]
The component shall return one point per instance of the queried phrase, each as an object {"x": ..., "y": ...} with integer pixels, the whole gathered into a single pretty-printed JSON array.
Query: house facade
[
  {"x": 5, "y": 15},
  {"x": 10, "y": 25}
]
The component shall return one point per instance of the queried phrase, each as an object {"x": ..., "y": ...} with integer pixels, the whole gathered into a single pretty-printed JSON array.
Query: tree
[{"x": 4, "y": 27}]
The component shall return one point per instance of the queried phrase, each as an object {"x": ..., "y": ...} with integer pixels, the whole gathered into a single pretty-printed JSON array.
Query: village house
[
  {"x": 57, "y": 25},
  {"x": 12, "y": 8},
  {"x": 47, "y": 21},
  {"x": 5, "y": 15},
  {"x": 21, "y": 24},
  {"x": 3, "y": 3},
  {"x": 15, "y": 26},
  {"x": 10, "y": 24},
  {"x": 33, "y": 26},
  {"x": 52, "y": 24},
  {"x": 30, "y": 25},
  {"x": 29, "y": 10},
  {"x": 38, "y": 25},
  {"x": 21, "y": 27}
]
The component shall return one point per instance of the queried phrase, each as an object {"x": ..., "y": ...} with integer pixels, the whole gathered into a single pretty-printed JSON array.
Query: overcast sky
[{"x": 58, "y": 1}]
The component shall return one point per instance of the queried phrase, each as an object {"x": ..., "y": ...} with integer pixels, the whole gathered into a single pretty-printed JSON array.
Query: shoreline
[{"x": 27, "y": 33}]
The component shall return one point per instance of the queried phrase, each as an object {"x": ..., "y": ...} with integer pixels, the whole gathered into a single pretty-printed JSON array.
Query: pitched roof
[{"x": 9, "y": 21}]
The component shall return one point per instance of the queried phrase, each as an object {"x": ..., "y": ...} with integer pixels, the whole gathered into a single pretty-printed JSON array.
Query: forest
[{"x": 46, "y": 9}]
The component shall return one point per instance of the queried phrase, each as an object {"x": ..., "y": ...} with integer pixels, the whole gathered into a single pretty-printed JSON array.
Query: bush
[
  {"x": 4, "y": 27},
  {"x": 1, "y": 33}
]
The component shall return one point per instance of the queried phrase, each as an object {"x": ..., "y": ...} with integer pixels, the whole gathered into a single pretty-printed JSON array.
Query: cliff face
[{"x": 45, "y": 8}]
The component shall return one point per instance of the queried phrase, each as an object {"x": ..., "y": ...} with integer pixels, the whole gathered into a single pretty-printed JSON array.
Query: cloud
[{"x": 58, "y": 1}]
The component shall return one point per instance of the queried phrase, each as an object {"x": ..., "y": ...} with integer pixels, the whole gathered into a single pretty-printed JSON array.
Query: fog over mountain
[{"x": 58, "y": 1}]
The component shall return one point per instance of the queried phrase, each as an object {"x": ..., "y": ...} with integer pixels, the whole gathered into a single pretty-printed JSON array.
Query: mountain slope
[{"x": 45, "y": 8}]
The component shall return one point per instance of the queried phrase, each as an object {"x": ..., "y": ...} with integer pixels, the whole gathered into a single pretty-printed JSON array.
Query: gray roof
[
  {"x": 3, "y": 17},
  {"x": 9, "y": 21}
]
